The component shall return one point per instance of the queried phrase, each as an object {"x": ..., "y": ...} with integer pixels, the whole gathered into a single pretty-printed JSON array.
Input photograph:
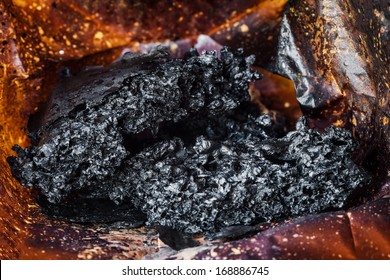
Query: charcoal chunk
[
  {"x": 178, "y": 140},
  {"x": 243, "y": 178}
]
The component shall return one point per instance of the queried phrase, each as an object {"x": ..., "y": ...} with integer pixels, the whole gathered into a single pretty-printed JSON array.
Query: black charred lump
[{"x": 177, "y": 140}]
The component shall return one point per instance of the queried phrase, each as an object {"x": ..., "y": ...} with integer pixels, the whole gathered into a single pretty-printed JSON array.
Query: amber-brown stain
[{"x": 38, "y": 36}]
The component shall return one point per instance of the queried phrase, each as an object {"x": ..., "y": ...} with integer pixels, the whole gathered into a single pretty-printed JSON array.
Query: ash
[{"x": 177, "y": 139}]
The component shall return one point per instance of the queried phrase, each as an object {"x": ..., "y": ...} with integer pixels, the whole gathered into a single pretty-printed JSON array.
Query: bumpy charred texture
[
  {"x": 106, "y": 119},
  {"x": 271, "y": 94},
  {"x": 26, "y": 233},
  {"x": 173, "y": 137},
  {"x": 246, "y": 177},
  {"x": 337, "y": 53}
]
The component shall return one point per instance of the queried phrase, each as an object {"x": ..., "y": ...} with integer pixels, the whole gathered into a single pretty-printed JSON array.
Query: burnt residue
[
  {"x": 338, "y": 233},
  {"x": 243, "y": 177},
  {"x": 178, "y": 140},
  {"x": 337, "y": 54}
]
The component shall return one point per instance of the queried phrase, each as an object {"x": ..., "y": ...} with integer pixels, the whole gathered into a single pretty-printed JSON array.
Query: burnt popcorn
[{"x": 178, "y": 140}]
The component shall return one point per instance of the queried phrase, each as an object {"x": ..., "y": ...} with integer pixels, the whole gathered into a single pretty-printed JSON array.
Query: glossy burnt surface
[
  {"x": 48, "y": 32},
  {"x": 337, "y": 53},
  {"x": 178, "y": 139},
  {"x": 32, "y": 55},
  {"x": 360, "y": 233}
]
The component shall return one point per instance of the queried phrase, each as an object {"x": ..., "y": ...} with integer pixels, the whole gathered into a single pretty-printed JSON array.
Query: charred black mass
[{"x": 175, "y": 139}]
